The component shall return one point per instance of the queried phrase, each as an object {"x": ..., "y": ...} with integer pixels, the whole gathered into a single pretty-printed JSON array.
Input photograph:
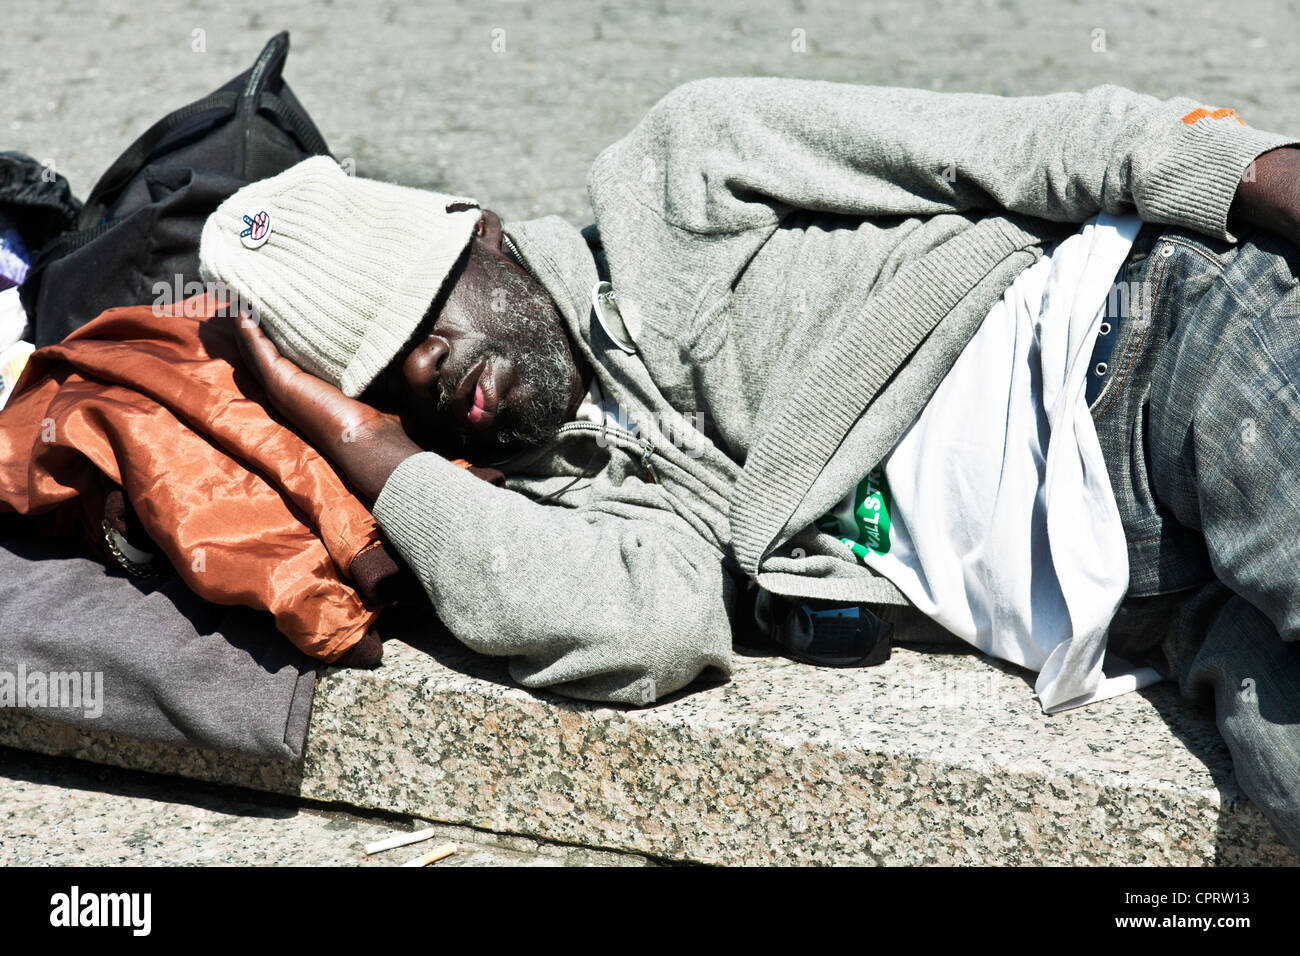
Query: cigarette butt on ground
[
  {"x": 401, "y": 839},
  {"x": 433, "y": 856}
]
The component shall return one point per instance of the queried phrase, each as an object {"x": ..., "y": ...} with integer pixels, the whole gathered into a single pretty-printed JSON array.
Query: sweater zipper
[
  {"x": 514, "y": 251},
  {"x": 646, "y": 447}
]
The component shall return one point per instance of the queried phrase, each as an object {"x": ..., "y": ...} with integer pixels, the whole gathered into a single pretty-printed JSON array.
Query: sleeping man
[{"x": 1023, "y": 365}]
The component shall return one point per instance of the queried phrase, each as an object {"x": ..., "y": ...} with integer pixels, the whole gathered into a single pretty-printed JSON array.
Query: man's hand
[
  {"x": 365, "y": 443},
  {"x": 1269, "y": 194}
]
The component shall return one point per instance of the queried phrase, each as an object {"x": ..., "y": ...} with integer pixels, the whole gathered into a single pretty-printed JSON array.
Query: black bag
[
  {"x": 139, "y": 230},
  {"x": 39, "y": 206}
]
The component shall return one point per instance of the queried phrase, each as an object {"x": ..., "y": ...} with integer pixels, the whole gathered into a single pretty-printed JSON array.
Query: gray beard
[{"x": 526, "y": 332}]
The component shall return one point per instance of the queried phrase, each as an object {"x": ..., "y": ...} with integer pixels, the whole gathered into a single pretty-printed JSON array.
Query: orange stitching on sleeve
[
  {"x": 1220, "y": 114},
  {"x": 1201, "y": 113}
]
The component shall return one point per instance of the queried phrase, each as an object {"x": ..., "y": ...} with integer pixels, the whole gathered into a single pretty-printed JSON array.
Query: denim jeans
[{"x": 1198, "y": 417}]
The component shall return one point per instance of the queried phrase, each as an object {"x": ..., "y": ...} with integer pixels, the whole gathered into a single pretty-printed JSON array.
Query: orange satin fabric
[{"x": 161, "y": 403}]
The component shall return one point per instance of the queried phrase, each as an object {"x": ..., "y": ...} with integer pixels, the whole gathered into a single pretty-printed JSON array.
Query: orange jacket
[{"x": 158, "y": 401}]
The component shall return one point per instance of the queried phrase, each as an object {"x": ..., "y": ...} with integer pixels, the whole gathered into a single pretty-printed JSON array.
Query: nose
[{"x": 424, "y": 363}]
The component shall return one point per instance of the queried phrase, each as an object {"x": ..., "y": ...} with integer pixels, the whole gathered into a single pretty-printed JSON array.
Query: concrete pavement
[{"x": 509, "y": 101}]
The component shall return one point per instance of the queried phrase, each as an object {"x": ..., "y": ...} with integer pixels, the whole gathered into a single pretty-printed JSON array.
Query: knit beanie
[{"x": 338, "y": 270}]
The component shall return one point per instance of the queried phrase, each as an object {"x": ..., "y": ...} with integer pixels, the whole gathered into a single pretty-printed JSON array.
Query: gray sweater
[{"x": 800, "y": 262}]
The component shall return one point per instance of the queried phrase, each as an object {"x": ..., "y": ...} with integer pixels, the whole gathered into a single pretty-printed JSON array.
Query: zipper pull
[
  {"x": 604, "y": 302},
  {"x": 645, "y": 463}
]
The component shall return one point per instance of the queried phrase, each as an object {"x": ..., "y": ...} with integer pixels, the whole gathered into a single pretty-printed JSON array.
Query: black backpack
[{"x": 139, "y": 230}]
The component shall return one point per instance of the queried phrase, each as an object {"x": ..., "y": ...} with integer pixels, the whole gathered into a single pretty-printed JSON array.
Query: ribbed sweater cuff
[
  {"x": 425, "y": 508},
  {"x": 1199, "y": 179}
]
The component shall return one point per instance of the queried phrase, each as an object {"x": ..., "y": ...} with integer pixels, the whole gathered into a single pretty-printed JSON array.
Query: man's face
[{"x": 491, "y": 365}]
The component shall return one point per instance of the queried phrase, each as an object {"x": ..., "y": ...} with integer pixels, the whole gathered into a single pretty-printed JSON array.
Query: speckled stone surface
[
  {"x": 56, "y": 812},
  {"x": 937, "y": 757}
]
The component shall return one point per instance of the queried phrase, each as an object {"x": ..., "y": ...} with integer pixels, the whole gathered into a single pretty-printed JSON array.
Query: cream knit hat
[{"x": 340, "y": 270}]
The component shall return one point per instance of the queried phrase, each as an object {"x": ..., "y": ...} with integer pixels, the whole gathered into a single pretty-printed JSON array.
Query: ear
[{"x": 488, "y": 230}]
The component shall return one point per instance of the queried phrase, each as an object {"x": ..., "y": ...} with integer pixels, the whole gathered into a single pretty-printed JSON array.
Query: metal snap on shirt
[{"x": 605, "y": 303}]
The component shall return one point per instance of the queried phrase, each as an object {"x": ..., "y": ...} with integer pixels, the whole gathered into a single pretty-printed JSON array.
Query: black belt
[
  {"x": 1116, "y": 303},
  {"x": 1117, "y": 310}
]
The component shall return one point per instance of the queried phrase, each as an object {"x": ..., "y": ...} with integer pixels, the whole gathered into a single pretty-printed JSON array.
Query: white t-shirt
[
  {"x": 598, "y": 410},
  {"x": 994, "y": 514}
]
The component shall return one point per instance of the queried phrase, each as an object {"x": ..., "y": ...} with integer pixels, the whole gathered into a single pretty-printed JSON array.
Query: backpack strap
[
  {"x": 295, "y": 123},
  {"x": 264, "y": 71}
]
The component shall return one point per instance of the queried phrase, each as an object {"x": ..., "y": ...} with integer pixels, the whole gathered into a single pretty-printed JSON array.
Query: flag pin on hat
[{"x": 257, "y": 229}]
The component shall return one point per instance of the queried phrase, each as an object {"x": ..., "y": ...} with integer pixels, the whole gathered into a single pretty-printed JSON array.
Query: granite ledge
[{"x": 938, "y": 757}]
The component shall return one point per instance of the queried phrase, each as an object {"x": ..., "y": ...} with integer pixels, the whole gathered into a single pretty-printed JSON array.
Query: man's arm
[
  {"x": 727, "y": 155},
  {"x": 619, "y": 600}
]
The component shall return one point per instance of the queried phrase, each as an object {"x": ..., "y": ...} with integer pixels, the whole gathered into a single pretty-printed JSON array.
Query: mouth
[{"x": 479, "y": 393}]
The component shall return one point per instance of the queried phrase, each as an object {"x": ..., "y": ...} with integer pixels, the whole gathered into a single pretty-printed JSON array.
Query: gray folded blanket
[{"x": 83, "y": 645}]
